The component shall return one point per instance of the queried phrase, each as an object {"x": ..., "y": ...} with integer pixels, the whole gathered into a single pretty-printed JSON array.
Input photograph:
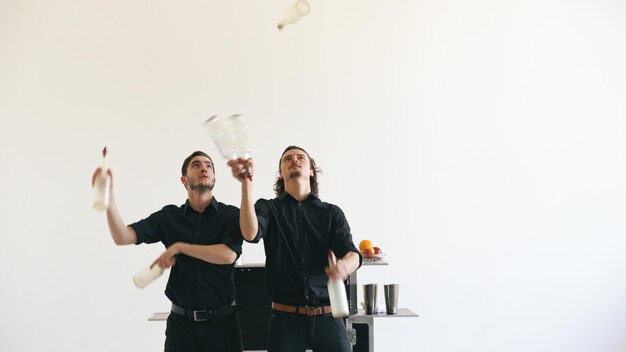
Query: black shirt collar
[
  {"x": 187, "y": 207},
  {"x": 283, "y": 196}
]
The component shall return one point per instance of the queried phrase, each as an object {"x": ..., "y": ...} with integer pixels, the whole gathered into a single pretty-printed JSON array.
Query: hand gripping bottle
[{"x": 337, "y": 292}]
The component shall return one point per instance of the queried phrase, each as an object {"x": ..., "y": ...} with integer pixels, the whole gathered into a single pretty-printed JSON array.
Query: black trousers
[
  {"x": 214, "y": 335},
  {"x": 291, "y": 332}
]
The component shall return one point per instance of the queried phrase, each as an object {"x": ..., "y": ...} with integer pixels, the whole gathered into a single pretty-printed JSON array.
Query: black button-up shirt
[
  {"x": 297, "y": 237},
  {"x": 194, "y": 283}
]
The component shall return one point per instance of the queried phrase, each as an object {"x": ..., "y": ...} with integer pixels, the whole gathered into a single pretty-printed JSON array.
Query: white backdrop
[{"x": 480, "y": 144}]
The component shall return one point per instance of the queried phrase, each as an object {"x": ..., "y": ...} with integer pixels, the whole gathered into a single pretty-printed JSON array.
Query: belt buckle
[
  {"x": 311, "y": 311},
  {"x": 195, "y": 315}
]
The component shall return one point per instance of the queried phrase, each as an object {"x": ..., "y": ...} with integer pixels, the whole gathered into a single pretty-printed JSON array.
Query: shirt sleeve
[
  {"x": 232, "y": 232},
  {"x": 149, "y": 230},
  {"x": 262, "y": 209},
  {"x": 341, "y": 241}
]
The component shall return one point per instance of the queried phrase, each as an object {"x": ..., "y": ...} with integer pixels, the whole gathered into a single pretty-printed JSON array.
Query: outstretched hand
[
  {"x": 242, "y": 168},
  {"x": 97, "y": 173}
]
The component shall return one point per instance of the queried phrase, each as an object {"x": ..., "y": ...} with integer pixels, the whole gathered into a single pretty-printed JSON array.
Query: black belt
[{"x": 206, "y": 314}]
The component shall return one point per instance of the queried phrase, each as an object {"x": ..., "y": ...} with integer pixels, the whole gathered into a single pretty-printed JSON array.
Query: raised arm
[
  {"x": 121, "y": 234},
  {"x": 247, "y": 217}
]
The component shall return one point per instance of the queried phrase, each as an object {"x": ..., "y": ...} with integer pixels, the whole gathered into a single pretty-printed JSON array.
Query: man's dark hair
[
  {"x": 183, "y": 170},
  {"x": 279, "y": 185}
]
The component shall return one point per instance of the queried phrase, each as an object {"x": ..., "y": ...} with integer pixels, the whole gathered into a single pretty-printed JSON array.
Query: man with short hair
[{"x": 203, "y": 240}]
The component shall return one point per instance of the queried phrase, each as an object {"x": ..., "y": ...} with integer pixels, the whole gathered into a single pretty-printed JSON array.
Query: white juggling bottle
[
  {"x": 101, "y": 187},
  {"x": 337, "y": 292},
  {"x": 147, "y": 275},
  {"x": 294, "y": 13}
]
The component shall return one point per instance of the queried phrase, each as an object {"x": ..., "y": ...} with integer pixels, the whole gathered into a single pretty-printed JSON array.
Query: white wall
[{"x": 481, "y": 144}]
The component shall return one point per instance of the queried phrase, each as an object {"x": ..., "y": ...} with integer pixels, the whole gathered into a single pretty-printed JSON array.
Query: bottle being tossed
[{"x": 102, "y": 185}]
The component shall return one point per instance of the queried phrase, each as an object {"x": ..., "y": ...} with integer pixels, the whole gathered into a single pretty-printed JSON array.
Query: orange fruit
[{"x": 366, "y": 244}]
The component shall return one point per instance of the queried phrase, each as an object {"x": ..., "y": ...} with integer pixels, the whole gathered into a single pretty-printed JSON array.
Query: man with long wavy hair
[{"x": 298, "y": 230}]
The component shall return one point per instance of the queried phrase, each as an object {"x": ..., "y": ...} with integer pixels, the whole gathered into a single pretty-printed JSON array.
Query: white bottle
[
  {"x": 337, "y": 293},
  {"x": 294, "y": 13},
  {"x": 147, "y": 275},
  {"x": 101, "y": 187}
]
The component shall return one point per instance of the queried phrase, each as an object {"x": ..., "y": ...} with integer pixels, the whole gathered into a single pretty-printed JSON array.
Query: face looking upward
[
  {"x": 200, "y": 175},
  {"x": 295, "y": 164}
]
